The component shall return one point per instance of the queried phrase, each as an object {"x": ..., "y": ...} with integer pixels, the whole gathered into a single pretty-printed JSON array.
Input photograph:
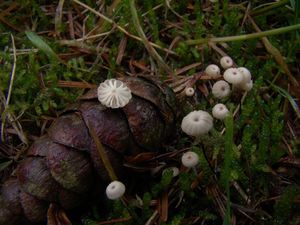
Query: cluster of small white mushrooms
[
  {"x": 197, "y": 123},
  {"x": 240, "y": 79}
]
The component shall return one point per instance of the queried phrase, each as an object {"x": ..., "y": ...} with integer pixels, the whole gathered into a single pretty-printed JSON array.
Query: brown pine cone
[{"x": 62, "y": 166}]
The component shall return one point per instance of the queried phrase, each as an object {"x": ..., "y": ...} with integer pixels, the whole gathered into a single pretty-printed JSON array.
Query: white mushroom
[
  {"x": 213, "y": 71},
  {"x": 247, "y": 86},
  {"x": 233, "y": 76},
  {"x": 220, "y": 111},
  {"x": 189, "y": 159},
  {"x": 246, "y": 74},
  {"x": 197, "y": 123},
  {"x": 113, "y": 93},
  {"x": 221, "y": 89},
  {"x": 226, "y": 62},
  {"x": 189, "y": 91},
  {"x": 115, "y": 190}
]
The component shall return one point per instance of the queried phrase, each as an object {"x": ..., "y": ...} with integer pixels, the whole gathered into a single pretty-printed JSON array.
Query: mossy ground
[{"x": 51, "y": 51}]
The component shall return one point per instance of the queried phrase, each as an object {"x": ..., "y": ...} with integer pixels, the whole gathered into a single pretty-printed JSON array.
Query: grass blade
[
  {"x": 285, "y": 94},
  {"x": 38, "y": 42},
  {"x": 225, "y": 175}
]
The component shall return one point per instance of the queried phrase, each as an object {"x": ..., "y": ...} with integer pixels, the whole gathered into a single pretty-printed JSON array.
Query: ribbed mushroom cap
[
  {"x": 220, "y": 111},
  {"x": 246, "y": 74},
  {"x": 221, "y": 89},
  {"x": 213, "y": 71},
  {"x": 197, "y": 123},
  {"x": 189, "y": 91},
  {"x": 233, "y": 76},
  {"x": 113, "y": 93},
  {"x": 226, "y": 62},
  {"x": 189, "y": 159}
]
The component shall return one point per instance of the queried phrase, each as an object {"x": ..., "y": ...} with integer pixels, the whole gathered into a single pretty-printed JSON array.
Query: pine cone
[{"x": 62, "y": 166}]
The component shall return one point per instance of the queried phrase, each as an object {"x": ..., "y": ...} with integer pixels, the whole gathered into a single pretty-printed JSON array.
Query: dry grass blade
[
  {"x": 16, "y": 125},
  {"x": 58, "y": 16},
  {"x": 276, "y": 54},
  {"x": 145, "y": 41},
  {"x": 152, "y": 219},
  {"x": 164, "y": 207},
  {"x": 122, "y": 47},
  {"x": 5, "y": 12},
  {"x": 75, "y": 84}
]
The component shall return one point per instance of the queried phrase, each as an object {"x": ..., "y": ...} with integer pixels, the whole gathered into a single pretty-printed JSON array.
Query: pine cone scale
[{"x": 70, "y": 130}]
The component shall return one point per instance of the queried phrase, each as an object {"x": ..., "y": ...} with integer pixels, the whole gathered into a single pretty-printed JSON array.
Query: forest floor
[{"x": 249, "y": 170}]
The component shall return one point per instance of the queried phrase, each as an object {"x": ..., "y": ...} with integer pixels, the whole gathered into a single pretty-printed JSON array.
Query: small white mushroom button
[
  {"x": 220, "y": 89},
  {"x": 115, "y": 190},
  {"x": 220, "y": 111},
  {"x": 190, "y": 159},
  {"x": 226, "y": 62},
  {"x": 233, "y": 76},
  {"x": 213, "y": 71}
]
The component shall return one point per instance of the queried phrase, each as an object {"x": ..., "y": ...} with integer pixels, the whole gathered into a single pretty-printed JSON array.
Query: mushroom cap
[
  {"x": 233, "y": 76},
  {"x": 226, "y": 62},
  {"x": 246, "y": 74},
  {"x": 189, "y": 159},
  {"x": 220, "y": 111},
  {"x": 213, "y": 71},
  {"x": 221, "y": 89},
  {"x": 189, "y": 91},
  {"x": 115, "y": 190},
  {"x": 248, "y": 86},
  {"x": 113, "y": 93},
  {"x": 197, "y": 123}
]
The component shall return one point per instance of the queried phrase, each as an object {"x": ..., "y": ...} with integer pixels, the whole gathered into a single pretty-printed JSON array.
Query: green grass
[{"x": 243, "y": 177}]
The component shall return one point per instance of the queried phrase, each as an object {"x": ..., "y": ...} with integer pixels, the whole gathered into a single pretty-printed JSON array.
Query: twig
[{"x": 152, "y": 218}]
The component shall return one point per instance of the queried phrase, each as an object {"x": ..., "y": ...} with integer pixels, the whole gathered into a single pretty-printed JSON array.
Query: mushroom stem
[{"x": 102, "y": 153}]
